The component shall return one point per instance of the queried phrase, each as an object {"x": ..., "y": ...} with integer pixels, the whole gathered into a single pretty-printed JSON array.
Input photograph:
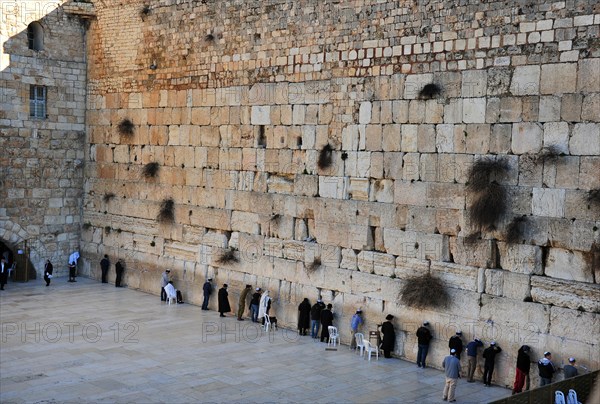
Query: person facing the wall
[
  {"x": 164, "y": 281},
  {"x": 104, "y": 266},
  {"x": 522, "y": 372},
  {"x": 242, "y": 302},
  {"x": 570, "y": 370},
  {"x": 206, "y": 290},
  {"x": 451, "y": 365},
  {"x": 489, "y": 354},
  {"x": 423, "y": 340},
  {"x": 472, "y": 348},
  {"x": 223, "y": 301},
  {"x": 304, "y": 317},
  {"x": 119, "y": 269},
  {"x": 546, "y": 369},
  {"x": 388, "y": 341},
  {"x": 315, "y": 317}
]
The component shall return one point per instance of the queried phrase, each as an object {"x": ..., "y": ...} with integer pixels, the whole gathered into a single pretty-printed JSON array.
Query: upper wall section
[{"x": 225, "y": 43}]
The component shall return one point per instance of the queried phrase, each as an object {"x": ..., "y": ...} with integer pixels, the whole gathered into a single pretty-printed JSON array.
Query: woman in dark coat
[
  {"x": 389, "y": 336},
  {"x": 304, "y": 317},
  {"x": 223, "y": 301}
]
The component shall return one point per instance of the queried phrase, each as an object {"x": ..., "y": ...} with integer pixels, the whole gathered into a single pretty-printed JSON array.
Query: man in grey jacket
[{"x": 451, "y": 365}]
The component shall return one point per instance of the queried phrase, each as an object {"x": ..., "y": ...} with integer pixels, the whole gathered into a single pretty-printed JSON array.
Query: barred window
[{"x": 37, "y": 102}]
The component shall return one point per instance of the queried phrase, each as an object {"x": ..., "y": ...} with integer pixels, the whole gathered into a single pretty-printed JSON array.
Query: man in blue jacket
[
  {"x": 472, "y": 357},
  {"x": 207, "y": 289}
]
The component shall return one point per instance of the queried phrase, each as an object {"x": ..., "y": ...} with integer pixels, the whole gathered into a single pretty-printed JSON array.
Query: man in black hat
[
  {"x": 223, "y": 301},
  {"x": 388, "y": 342},
  {"x": 326, "y": 321},
  {"x": 164, "y": 281},
  {"x": 207, "y": 289}
]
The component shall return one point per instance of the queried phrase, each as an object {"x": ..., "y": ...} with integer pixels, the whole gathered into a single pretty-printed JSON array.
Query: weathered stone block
[
  {"x": 558, "y": 78},
  {"x": 473, "y": 110},
  {"x": 564, "y": 293},
  {"x": 502, "y": 311},
  {"x": 474, "y": 83},
  {"x": 585, "y": 139},
  {"x": 588, "y": 79},
  {"x": 548, "y": 202},
  {"x": 382, "y": 191},
  {"x": 557, "y": 134},
  {"x": 333, "y": 187},
  {"x": 549, "y": 109},
  {"x": 569, "y": 265},
  {"x": 526, "y": 138},
  {"x": 520, "y": 258},
  {"x": 525, "y": 80},
  {"x": 477, "y": 253},
  {"x": 456, "y": 276},
  {"x": 574, "y": 325}
]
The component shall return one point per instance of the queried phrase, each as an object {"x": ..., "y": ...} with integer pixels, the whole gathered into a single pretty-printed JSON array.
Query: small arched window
[{"x": 35, "y": 36}]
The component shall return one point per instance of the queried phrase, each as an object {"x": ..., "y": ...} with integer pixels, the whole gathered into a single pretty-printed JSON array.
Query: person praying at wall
[
  {"x": 223, "y": 301},
  {"x": 489, "y": 354},
  {"x": 264, "y": 306},
  {"x": 388, "y": 341},
  {"x": 242, "y": 302},
  {"x": 304, "y": 317},
  {"x": 522, "y": 372}
]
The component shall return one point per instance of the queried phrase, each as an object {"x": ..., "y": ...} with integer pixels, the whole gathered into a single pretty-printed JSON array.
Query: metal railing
[{"x": 583, "y": 385}]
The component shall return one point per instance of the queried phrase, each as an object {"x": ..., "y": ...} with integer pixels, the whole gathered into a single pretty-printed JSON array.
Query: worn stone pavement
[{"x": 92, "y": 342}]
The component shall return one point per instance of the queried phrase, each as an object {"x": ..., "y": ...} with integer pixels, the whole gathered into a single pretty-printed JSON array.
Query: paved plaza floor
[{"x": 91, "y": 342}]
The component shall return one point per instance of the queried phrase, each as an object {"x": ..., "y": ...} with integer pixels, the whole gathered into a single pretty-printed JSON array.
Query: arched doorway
[{"x": 22, "y": 270}]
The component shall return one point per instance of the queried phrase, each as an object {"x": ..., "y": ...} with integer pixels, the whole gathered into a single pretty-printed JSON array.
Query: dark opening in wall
[{"x": 261, "y": 139}]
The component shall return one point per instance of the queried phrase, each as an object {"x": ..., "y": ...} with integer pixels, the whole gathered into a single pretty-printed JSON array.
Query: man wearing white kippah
[
  {"x": 451, "y": 366},
  {"x": 570, "y": 370}
]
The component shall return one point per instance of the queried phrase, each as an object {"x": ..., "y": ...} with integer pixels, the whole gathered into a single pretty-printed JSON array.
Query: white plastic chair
[
  {"x": 559, "y": 397},
  {"x": 369, "y": 349},
  {"x": 267, "y": 324},
  {"x": 360, "y": 345},
  {"x": 333, "y": 335},
  {"x": 572, "y": 397}
]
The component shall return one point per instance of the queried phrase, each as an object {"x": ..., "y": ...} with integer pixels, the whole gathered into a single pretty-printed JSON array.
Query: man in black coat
[
  {"x": 223, "y": 301},
  {"x": 456, "y": 343},
  {"x": 326, "y": 321},
  {"x": 48, "y": 269},
  {"x": 207, "y": 289},
  {"x": 489, "y": 354},
  {"x": 104, "y": 265},
  {"x": 119, "y": 269},
  {"x": 303, "y": 316},
  {"x": 388, "y": 341},
  {"x": 423, "y": 338}
]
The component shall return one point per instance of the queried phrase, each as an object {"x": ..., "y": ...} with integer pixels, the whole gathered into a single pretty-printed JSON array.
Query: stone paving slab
[{"x": 91, "y": 342}]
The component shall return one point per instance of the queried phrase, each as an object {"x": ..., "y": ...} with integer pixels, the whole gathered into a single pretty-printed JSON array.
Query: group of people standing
[{"x": 119, "y": 270}]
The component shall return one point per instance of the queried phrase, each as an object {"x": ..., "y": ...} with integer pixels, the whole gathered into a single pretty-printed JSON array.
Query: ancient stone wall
[
  {"x": 236, "y": 102},
  {"x": 41, "y": 163}
]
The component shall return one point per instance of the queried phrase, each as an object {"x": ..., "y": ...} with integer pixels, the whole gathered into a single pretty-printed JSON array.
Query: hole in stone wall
[{"x": 261, "y": 140}]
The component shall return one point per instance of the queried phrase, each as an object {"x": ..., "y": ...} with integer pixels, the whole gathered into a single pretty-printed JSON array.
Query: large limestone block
[
  {"x": 261, "y": 115},
  {"x": 473, "y": 110},
  {"x": 450, "y": 196},
  {"x": 382, "y": 191},
  {"x": 366, "y": 284},
  {"x": 575, "y": 325},
  {"x": 585, "y": 139},
  {"x": 569, "y": 265},
  {"x": 384, "y": 264},
  {"x": 557, "y": 134},
  {"x": 407, "y": 193},
  {"x": 564, "y": 293},
  {"x": 247, "y": 222},
  {"x": 548, "y": 202},
  {"x": 349, "y": 259},
  {"x": 410, "y": 267},
  {"x": 364, "y": 113},
  {"x": 414, "y": 84},
  {"x": 526, "y": 138},
  {"x": 333, "y": 187},
  {"x": 477, "y": 253},
  {"x": 306, "y": 185},
  {"x": 502, "y": 311},
  {"x": 520, "y": 258},
  {"x": 516, "y": 286},
  {"x": 588, "y": 175},
  {"x": 589, "y": 76},
  {"x": 410, "y": 244},
  {"x": 558, "y": 78},
  {"x": 358, "y": 189},
  {"x": 474, "y": 83},
  {"x": 525, "y": 80},
  {"x": 456, "y": 276}
]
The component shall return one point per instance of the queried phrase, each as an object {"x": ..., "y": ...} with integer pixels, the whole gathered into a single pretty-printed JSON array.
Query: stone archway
[{"x": 14, "y": 236}]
